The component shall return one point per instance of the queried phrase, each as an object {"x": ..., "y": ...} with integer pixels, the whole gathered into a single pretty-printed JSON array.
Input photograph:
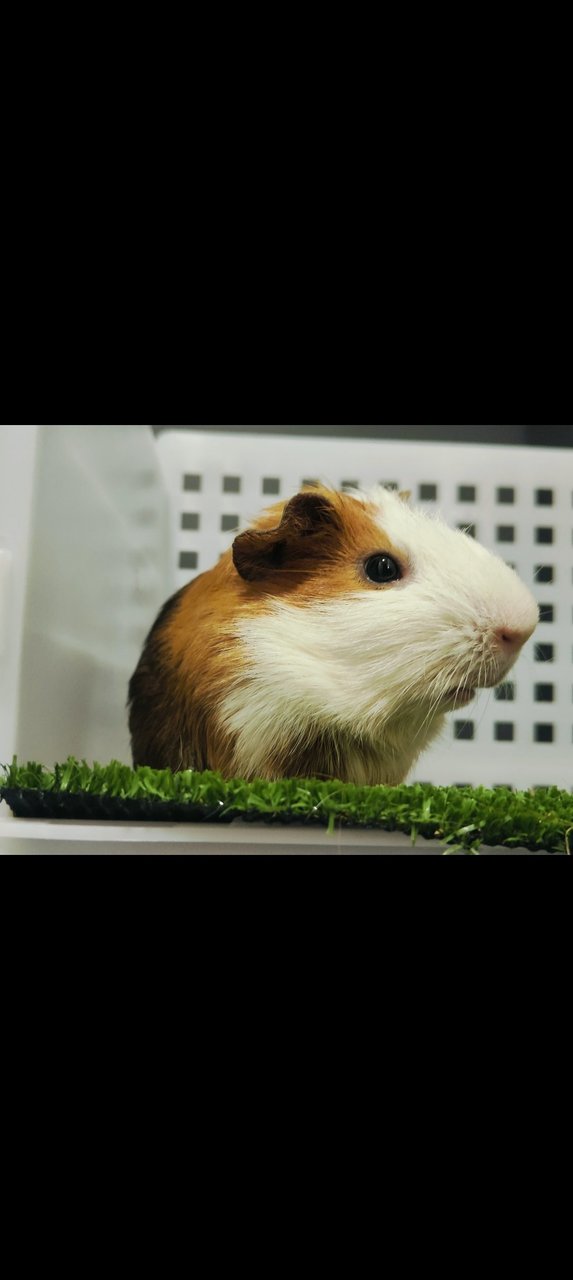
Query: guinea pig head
[{"x": 361, "y": 621}]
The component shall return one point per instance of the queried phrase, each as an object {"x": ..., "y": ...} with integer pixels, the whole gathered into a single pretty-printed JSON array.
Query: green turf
[{"x": 461, "y": 817}]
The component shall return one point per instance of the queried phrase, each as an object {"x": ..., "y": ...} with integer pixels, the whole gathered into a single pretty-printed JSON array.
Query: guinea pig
[{"x": 329, "y": 642}]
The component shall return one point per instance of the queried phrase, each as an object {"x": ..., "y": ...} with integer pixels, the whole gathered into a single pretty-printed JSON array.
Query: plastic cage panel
[
  {"x": 516, "y": 501},
  {"x": 83, "y": 567}
]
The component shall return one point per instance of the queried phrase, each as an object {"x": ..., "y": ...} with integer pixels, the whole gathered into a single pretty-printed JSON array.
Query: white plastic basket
[{"x": 519, "y": 502}]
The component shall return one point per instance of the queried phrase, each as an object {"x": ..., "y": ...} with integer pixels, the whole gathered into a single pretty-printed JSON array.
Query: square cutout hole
[
  {"x": 188, "y": 560},
  {"x": 505, "y": 692},
  {"x": 544, "y": 652},
  {"x": 504, "y": 732},
  {"x": 543, "y": 733},
  {"x": 464, "y": 730},
  {"x": 544, "y": 692}
]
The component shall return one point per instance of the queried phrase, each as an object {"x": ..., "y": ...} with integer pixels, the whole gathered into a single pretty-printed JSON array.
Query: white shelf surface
[
  {"x": 20, "y": 835},
  {"x": 26, "y": 836}
]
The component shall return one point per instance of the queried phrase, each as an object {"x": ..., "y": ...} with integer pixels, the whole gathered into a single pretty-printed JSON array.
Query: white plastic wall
[
  {"x": 17, "y": 468},
  {"x": 83, "y": 570}
]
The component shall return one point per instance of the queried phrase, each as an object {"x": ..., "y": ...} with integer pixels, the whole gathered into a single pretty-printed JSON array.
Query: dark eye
[{"x": 382, "y": 568}]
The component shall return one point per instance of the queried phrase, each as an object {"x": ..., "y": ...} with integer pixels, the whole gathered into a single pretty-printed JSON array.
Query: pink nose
[{"x": 512, "y": 638}]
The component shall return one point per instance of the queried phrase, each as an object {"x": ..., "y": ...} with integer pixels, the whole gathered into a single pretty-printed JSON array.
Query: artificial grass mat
[{"x": 461, "y": 817}]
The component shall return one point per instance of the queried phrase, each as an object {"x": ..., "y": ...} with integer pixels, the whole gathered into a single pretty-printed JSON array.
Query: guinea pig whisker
[
  {"x": 440, "y": 686},
  {"x": 456, "y": 679}
]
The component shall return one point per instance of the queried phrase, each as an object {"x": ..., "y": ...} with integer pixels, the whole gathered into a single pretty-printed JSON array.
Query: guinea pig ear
[
  {"x": 309, "y": 513},
  {"x": 256, "y": 552}
]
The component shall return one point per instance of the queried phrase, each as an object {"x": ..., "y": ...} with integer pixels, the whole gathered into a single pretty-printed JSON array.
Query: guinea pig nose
[{"x": 513, "y": 637}]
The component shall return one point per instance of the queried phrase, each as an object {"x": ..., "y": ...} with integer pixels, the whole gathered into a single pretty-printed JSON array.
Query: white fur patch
[{"x": 376, "y": 666}]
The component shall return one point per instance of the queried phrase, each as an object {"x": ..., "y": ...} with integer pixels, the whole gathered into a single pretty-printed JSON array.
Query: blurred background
[{"x": 548, "y": 436}]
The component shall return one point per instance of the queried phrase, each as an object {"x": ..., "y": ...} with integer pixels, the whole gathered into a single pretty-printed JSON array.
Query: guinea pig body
[{"x": 329, "y": 642}]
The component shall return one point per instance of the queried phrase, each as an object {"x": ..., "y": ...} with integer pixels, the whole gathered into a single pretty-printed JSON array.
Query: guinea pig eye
[{"x": 382, "y": 568}]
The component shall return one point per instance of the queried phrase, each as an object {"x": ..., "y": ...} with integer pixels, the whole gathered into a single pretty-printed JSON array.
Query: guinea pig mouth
[{"x": 459, "y": 697}]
